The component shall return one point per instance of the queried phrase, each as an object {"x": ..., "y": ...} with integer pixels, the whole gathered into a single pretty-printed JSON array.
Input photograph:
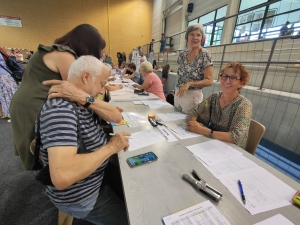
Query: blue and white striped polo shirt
[{"x": 58, "y": 127}]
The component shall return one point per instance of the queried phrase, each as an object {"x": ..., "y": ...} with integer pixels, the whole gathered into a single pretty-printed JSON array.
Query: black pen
[{"x": 242, "y": 191}]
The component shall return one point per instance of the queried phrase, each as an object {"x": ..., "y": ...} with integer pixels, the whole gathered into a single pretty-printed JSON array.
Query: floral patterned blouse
[
  {"x": 192, "y": 71},
  {"x": 234, "y": 118}
]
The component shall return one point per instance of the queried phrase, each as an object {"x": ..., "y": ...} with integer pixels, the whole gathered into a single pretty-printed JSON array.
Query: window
[
  {"x": 213, "y": 31},
  {"x": 266, "y": 21}
]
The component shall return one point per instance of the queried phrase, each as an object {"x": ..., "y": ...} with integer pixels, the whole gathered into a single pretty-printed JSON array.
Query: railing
[{"x": 264, "y": 58}]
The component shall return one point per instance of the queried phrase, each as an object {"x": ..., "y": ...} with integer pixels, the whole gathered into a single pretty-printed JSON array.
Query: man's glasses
[{"x": 232, "y": 78}]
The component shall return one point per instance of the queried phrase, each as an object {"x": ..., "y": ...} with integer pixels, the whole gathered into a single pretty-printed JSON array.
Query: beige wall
[{"x": 123, "y": 23}]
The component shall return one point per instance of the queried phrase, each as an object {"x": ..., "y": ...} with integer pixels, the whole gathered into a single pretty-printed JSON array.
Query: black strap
[
  {"x": 81, "y": 148},
  {"x": 6, "y": 69}
]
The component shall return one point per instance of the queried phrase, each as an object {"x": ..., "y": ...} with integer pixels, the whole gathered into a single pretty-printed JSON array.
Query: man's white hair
[{"x": 87, "y": 63}]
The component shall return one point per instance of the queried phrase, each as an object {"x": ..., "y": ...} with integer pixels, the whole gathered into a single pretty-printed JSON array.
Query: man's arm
[{"x": 67, "y": 167}]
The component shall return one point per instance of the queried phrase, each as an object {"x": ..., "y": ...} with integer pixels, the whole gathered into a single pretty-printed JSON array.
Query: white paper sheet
[
  {"x": 144, "y": 138},
  {"x": 178, "y": 127},
  {"x": 202, "y": 213},
  {"x": 138, "y": 103},
  {"x": 171, "y": 116},
  {"x": 263, "y": 191},
  {"x": 166, "y": 133},
  {"x": 275, "y": 220},
  {"x": 231, "y": 166},
  {"x": 213, "y": 152},
  {"x": 135, "y": 119},
  {"x": 157, "y": 104}
]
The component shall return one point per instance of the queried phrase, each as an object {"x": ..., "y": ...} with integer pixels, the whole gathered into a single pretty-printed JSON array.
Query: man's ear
[{"x": 85, "y": 77}]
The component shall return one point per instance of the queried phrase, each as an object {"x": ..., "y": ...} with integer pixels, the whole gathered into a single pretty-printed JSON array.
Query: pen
[
  {"x": 242, "y": 191},
  {"x": 112, "y": 134}
]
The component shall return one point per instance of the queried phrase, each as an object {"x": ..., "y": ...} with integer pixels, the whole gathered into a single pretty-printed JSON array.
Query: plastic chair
[{"x": 256, "y": 131}]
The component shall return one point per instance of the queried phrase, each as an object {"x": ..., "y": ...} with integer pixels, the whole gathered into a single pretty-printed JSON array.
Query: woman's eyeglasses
[{"x": 232, "y": 78}]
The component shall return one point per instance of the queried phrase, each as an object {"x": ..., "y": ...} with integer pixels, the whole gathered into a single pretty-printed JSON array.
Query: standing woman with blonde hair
[{"x": 195, "y": 71}]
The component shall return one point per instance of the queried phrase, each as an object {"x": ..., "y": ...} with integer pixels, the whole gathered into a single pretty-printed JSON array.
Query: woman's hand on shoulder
[{"x": 64, "y": 89}]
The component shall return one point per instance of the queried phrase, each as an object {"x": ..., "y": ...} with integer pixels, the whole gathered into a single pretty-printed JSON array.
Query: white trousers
[{"x": 188, "y": 101}]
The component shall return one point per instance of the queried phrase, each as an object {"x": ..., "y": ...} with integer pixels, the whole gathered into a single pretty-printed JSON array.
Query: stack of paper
[
  {"x": 178, "y": 127},
  {"x": 134, "y": 119},
  {"x": 202, "y": 213},
  {"x": 157, "y": 104},
  {"x": 144, "y": 138}
]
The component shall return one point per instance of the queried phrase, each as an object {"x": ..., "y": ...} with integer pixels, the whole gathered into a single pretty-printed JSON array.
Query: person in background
[
  {"x": 120, "y": 58},
  {"x": 151, "y": 51},
  {"x": 195, "y": 71},
  {"x": 49, "y": 63},
  {"x": 12, "y": 53},
  {"x": 152, "y": 83},
  {"x": 130, "y": 57},
  {"x": 165, "y": 73},
  {"x": 143, "y": 57},
  {"x": 20, "y": 57},
  {"x": 124, "y": 56},
  {"x": 163, "y": 43},
  {"x": 225, "y": 115},
  {"x": 135, "y": 76},
  {"x": 8, "y": 86},
  {"x": 284, "y": 29},
  {"x": 203, "y": 40},
  {"x": 96, "y": 181},
  {"x": 126, "y": 70}
]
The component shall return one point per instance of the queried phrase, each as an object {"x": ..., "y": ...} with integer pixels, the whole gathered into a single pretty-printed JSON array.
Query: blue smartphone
[{"x": 141, "y": 159}]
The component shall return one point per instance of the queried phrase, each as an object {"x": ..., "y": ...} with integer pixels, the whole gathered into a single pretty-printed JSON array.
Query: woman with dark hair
[
  {"x": 47, "y": 63},
  {"x": 120, "y": 59},
  {"x": 124, "y": 56}
]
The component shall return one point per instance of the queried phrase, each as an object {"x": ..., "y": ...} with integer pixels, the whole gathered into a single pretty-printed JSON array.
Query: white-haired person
[
  {"x": 195, "y": 71},
  {"x": 152, "y": 83},
  {"x": 78, "y": 187},
  {"x": 225, "y": 115}
]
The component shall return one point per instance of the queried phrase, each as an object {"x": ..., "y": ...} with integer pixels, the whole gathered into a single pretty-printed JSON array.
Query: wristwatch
[
  {"x": 89, "y": 100},
  {"x": 211, "y": 135}
]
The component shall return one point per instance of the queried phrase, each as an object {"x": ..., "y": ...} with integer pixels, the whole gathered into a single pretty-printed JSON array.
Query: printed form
[
  {"x": 135, "y": 119},
  {"x": 213, "y": 152},
  {"x": 144, "y": 138},
  {"x": 263, "y": 191},
  {"x": 204, "y": 213},
  {"x": 178, "y": 127}
]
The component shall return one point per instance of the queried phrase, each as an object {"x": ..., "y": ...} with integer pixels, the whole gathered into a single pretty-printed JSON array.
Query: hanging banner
[{"x": 10, "y": 21}]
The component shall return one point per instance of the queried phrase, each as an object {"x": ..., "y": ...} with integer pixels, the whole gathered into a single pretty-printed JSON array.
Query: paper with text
[
  {"x": 166, "y": 133},
  {"x": 202, "y": 213},
  {"x": 178, "y": 127},
  {"x": 134, "y": 119},
  {"x": 263, "y": 191},
  {"x": 144, "y": 138},
  {"x": 231, "y": 166},
  {"x": 275, "y": 220},
  {"x": 213, "y": 152}
]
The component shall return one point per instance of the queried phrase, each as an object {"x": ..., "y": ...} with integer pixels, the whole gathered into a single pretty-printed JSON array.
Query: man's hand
[
  {"x": 120, "y": 109},
  {"x": 120, "y": 141},
  {"x": 182, "y": 90},
  {"x": 64, "y": 89}
]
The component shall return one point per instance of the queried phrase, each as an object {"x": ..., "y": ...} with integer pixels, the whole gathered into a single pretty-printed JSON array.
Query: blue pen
[{"x": 242, "y": 191}]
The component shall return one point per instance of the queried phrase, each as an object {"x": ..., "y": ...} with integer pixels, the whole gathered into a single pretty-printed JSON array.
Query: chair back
[{"x": 256, "y": 131}]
